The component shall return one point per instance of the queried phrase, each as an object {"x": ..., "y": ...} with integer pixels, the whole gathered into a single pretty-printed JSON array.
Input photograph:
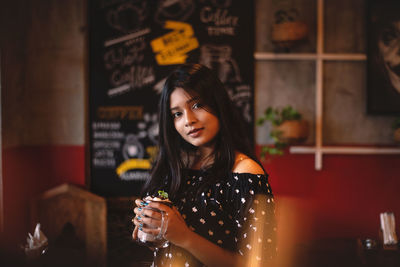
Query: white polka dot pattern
[{"x": 227, "y": 214}]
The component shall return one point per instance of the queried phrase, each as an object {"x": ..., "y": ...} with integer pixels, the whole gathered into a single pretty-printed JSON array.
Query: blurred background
[{"x": 330, "y": 185}]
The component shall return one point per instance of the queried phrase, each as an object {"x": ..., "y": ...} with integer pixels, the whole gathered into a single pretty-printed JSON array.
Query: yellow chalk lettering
[
  {"x": 133, "y": 164},
  {"x": 114, "y": 113},
  {"x": 172, "y": 47}
]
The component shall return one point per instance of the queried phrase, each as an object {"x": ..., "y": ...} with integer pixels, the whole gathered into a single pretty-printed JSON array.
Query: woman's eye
[
  {"x": 176, "y": 114},
  {"x": 197, "y": 105}
]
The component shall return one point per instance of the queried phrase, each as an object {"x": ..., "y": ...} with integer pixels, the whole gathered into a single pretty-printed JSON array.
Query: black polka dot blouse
[{"x": 236, "y": 214}]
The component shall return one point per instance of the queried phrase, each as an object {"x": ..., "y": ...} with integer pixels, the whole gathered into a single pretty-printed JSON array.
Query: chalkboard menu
[{"x": 134, "y": 45}]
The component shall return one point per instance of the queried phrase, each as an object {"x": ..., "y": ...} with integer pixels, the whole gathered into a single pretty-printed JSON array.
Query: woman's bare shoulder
[{"x": 244, "y": 164}]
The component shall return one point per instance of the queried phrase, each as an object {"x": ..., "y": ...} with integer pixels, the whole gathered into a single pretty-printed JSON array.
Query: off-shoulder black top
[{"x": 236, "y": 213}]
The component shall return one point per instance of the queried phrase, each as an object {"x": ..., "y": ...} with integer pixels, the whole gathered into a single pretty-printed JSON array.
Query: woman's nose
[{"x": 190, "y": 118}]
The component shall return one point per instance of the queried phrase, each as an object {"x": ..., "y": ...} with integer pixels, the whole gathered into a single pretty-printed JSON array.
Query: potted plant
[
  {"x": 396, "y": 128},
  {"x": 288, "y": 128}
]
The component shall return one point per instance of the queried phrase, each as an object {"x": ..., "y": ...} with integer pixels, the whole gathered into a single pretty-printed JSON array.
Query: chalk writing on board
[
  {"x": 148, "y": 127},
  {"x": 107, "y": 144},
  {"x": 134, "y": 46},
  {"x": 110, "y": 142},
  {"x": 132, "y": 148},
  {"x": 242, "y": 98},
  {"x": 135, "y": 176},
  {"x": 128, "y": 16},
  {"x": 107, "y": 137},
  {"x": 134, "y": 159},
  {"x": 173, "y": 10},
  {"x": 219, "y": 20},
  {"x": 136, "y": 77},
  {"x": 172, "y": 48},
  {"x": 119, "y": 90},
  {"x": 219, "y": 58},
  {"x": 106, "y": 125},
  {"x": 107, "y": 162},
  {"x": 120, "y": 113},
  {"x": 127, "y": 37},
  {"x": 131, "y": 52},
  {"x": 159, "y": 86}
]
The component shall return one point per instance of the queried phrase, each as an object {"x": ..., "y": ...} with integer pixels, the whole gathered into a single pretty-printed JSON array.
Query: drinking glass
[{"x": 155, "y": 241}]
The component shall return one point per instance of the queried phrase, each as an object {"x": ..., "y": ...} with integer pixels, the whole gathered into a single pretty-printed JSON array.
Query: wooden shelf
[
  {"x": 350, "y": 150},
  {"x": 344, "y": 150},
  {"x": 307, "y": 56}
]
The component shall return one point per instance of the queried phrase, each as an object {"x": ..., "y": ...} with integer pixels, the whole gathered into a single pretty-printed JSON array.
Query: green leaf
[
  {"x": 275, "y": 151},
  {"x": 275, "y": 135},
  {"x": 163, "y": 194},
  {"x": 277, "y": 117},
  {"x": 288, "y": 113},
  {"x": 260, "y": 121}
]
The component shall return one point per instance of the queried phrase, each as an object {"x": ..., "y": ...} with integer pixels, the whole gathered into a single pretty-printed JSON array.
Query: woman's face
[
  {"x": 389, "y": 47},
  {"x": 193, "y": 122}
]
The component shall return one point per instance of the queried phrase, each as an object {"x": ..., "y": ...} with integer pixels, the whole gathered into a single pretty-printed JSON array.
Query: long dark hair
[{"x": 174, "y": 151}]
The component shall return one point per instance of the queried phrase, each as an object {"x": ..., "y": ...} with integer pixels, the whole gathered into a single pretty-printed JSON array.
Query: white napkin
[
  {"x": 388, "y": 227},
  {"x": 36, "y": 244}
]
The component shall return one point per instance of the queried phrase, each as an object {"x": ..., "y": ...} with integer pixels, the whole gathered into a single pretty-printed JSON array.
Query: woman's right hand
[
  {"x": 149, "y": 221},
  {"x": 147, "y": 218},
  {"x": 135, "y": 220}
]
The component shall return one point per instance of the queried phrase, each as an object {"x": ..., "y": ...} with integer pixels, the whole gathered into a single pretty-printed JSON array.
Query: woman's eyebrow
[{"x": 193, "y": 99}]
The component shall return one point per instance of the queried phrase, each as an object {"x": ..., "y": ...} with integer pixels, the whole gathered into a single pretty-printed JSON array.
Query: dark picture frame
[{"x": 383, "y": 64}]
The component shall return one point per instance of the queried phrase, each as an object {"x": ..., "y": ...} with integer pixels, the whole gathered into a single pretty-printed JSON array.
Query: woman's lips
[{"x": 195, "y": 132}]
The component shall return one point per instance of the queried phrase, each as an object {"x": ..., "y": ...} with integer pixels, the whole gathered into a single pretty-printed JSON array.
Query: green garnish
[{"x": 163, "y": 194}]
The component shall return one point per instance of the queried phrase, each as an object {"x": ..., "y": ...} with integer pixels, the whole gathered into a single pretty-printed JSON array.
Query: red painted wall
[
  {"x": 29, "y": 171},
  {"x": 345, "y": 198}
]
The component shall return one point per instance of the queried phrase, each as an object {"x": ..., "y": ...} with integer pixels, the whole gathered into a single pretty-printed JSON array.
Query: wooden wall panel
[
  {"x": 345, "y": 27},
  {"x": 45, "y": 72}
]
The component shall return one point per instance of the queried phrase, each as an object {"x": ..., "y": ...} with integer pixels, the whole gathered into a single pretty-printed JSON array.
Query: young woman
[{"x": 223, "y": 212}]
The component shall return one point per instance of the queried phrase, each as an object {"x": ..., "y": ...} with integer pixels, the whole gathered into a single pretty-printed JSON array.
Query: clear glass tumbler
[{"x": 156, "y": 241}]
